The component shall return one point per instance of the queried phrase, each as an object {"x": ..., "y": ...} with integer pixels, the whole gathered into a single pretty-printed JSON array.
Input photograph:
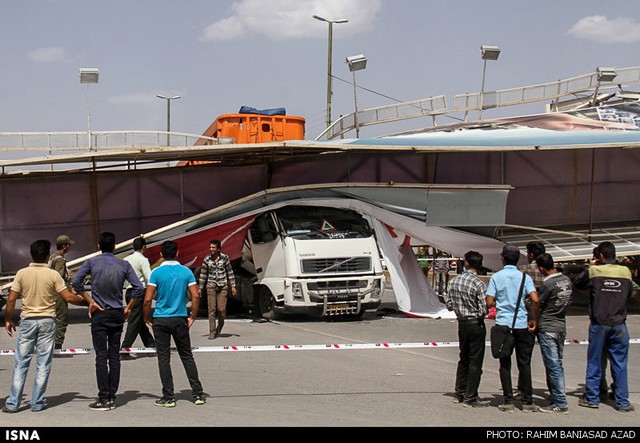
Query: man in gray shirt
[{"x": 555, "y": 296}]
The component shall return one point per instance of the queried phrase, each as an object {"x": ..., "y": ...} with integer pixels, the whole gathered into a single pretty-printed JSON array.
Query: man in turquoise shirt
[
  {"x": 502, "y": 292},
  {"x": 172, "y": 281}
]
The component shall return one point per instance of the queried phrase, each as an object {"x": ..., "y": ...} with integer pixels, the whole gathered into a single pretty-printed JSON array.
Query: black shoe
[
  {"x": 111, "y": 403},
  {"x": 166, "y": 403},
  {"x": 100, "y": 406},
  {"x": 58, "y": 346}
]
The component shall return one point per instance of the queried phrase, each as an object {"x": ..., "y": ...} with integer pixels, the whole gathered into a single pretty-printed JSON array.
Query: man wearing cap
[
  {"x": 58, "y": 263},
  {"x": 502, "y": 292}
]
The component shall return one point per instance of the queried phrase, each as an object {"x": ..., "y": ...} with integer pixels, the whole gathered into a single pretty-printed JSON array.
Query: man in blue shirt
[
  {"x": 503, "y": 293},
  {"x": 170, "y": 283},
  {"x": 108, "y": 275}
]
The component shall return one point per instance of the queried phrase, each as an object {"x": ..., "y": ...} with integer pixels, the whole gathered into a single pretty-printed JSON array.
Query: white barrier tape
[
  {"x": 71, "y": 351},
  {"x": 325, "y": 347}
]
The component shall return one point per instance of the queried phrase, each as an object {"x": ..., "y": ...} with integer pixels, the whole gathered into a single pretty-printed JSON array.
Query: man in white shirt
[{"x": 135, "y": 324}]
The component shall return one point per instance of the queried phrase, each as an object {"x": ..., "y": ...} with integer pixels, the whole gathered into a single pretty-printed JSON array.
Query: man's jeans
[
  {"x": 164, "y": 328},
  {"x": 615, "y": 341},
  {"x": 106, "y": 331},
  {"x": 552, "y": 348},
  {"x": 33, "y": 335}
]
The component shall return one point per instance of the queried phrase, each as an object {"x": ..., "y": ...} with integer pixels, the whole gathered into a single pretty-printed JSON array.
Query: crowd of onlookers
[{"x": 531, "y": 302}]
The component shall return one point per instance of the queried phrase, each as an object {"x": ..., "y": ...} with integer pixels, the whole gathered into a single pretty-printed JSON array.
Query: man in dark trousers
[
  {"x": 502, "y": 291},
  {"x": 108, "y": 275},
  {"x": 135, "y": 323},
  {"x": 169, "y": 283},
  {"x": 467, "y": 300}
]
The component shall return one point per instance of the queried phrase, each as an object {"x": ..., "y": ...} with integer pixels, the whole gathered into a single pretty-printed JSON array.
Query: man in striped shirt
[
  {"x": 467, "y": 299},
  {"x": 216, "y": 278}
]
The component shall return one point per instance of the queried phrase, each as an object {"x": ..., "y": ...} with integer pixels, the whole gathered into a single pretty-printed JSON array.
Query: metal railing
[
  {"x": 464, "y": 103},
  {"x": 71, "y": 142},
  {"x": 16, "y": 147},
  {"x": 426, "y": 107}
]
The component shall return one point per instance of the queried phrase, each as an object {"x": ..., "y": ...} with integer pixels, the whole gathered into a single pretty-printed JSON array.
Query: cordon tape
[{"x": 264, "y": 348}]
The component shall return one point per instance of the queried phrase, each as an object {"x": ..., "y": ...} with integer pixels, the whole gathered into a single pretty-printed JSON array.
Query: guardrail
[
  {"x": 64, "y": 142},
  {"x": 437, "y": 105},
  {"x": 18, "y": 146}
]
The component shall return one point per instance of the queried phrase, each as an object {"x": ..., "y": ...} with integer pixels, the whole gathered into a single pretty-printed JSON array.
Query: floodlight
[
  {"x": 89, "y": 75},
  {"x": 489, "y": 52},
  {"x": 606, "y": 74},
  {"x": 357, "y": 62}
]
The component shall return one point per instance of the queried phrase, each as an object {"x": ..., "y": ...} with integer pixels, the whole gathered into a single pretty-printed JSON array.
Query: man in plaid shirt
[
  {"x": 216, "y": 277},
  {"x": 467, "y": 299}
]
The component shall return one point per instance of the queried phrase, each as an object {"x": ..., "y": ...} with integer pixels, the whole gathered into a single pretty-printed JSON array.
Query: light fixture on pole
[
  {"x": 603, "y": 75},
  {"x": 89, "y": 76},
  {"x": 488, "y": 53},
  {"x": 168, "y": 99},
  {"x": 330, "y": 61},
  {"x": 356, "y": 63}
]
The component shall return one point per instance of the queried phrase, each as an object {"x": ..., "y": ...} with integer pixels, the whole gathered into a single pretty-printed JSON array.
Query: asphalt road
[{"x": 385, "y": 370}]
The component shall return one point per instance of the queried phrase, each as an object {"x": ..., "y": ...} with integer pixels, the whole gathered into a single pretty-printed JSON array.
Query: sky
[{"x": 219, "y": 55}]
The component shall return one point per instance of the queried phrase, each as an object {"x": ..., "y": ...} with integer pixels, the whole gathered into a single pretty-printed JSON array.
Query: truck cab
[{"x": 319, "y": 261}]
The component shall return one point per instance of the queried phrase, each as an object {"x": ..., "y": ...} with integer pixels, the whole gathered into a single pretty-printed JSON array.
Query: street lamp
[
  {"x": 356, "y": 63},
  {"x": 488, "y": 53},
  {"x": 603, "y": 75},
  {"x": 89, "y": 76},
  {"x": 168, "y": 99},
  {"x": 329, "y": 62}
]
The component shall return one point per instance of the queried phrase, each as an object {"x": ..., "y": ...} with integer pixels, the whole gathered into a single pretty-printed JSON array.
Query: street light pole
[
  {"x": 356, "y": 63},
  {"x": 168, "y": 99},
  {"x": 488, "y": 53},
  {"x": 329, "y": 61},
  {"x": 88, "y": 76}
]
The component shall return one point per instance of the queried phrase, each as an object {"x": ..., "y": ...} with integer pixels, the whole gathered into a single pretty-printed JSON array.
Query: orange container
[
  {"x": 252, "y": 128},
  {"x": 257, "y": 128}
]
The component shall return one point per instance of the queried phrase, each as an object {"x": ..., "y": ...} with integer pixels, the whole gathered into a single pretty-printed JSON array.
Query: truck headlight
[
  {"x": 296, "y": 291},
  {"x": 377, "y": 290}
]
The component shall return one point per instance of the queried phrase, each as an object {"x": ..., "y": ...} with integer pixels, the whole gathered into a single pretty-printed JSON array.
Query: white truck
[{"x": 320, "y": 261}]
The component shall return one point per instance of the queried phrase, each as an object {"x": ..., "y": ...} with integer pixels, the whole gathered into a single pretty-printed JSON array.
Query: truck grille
[
  {"x": 336, "y": 265},
  {"x": 334, "y": 291}
]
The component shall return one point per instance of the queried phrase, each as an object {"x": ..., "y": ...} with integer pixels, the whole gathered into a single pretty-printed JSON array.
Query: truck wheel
[{"x": 266, "y": 304}]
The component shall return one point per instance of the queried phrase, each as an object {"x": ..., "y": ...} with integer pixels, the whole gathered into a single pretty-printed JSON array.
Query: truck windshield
[{"x": 308, "y": 222}]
